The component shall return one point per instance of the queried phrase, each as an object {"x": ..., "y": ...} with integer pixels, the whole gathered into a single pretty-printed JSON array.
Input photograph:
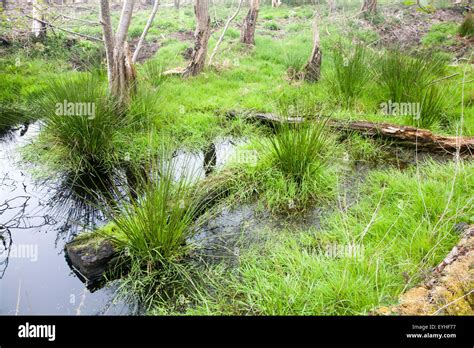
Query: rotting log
[{"x": 407, "y": 136}]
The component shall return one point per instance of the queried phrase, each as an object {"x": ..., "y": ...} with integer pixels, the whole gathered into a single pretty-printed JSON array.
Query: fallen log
[{"x": 407, "y": 136}]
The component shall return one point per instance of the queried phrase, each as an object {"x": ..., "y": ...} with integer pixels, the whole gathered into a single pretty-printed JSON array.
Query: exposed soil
[
  {"x": 449, "y": 288},
  {"x": 406, "y": 27},
  {"x": 148, "y": 50}
]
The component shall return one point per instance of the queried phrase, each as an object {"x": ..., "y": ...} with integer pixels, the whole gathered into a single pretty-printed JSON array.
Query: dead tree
[
  {"x": 38, "y": 28},
  {"x": 201, "y": 36},
  {"x": 247, "y": 35},
  {"x": 312, "y": 69},
  {"x": 145, "y": 31},
  {"x": 369, "y": 8}
]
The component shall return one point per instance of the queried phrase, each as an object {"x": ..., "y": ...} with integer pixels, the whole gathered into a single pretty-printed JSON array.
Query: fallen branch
[
  {"x": 145, "y": 31},
  {"x": 65, "y": 30},
  {"x": 408, "y": 136},
  {"x": 230, "y": 19}
]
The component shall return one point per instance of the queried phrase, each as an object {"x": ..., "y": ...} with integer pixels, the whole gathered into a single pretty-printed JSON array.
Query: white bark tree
[{"x": 120, "y": 70}]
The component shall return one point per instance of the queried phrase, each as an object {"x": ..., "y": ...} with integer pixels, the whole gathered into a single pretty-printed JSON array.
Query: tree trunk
[
  {"x": 145, "y": 31},
  {"x": 276, "y": 3},
  {"x": 201, "y": 35},
  {"x": 38, "y": 27},
  {"x": 247, "y": 35},
  {"x": 176, "y": 4},
  {"x": 312, "y": 70},
  {"x": 407, "y": 136},
  {"x": 109, "y": 37},
  {"x": 120, "y": 70},
  {"x": 332, "y": 6},
  {"x": 369, "y": 7}
]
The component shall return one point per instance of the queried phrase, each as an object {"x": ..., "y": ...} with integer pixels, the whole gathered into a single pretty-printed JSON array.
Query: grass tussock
[
  {"x": 80, "y": 120},
  {"x": 349, "y": 75}
]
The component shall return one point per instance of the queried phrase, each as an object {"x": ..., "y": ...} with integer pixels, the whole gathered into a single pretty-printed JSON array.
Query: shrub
[{"x": 271, "y": 26}]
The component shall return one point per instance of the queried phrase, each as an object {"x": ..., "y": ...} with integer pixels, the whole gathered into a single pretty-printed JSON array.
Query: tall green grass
[
  {"x": 411, "y": 79},
  {"x": 153, "y": 227},
  {"x": 349, "y": 75},
  {"x": 83, "y": 140},
  {"x": 300, "y": 150}
]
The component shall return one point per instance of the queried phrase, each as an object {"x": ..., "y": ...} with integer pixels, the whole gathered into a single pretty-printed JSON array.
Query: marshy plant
[
  {"x": 349, "y": 75},
  {"x": 294, "y": 63},
  {"x": 153, "y": 72},
  {"x": 11, "y": 115},
  {"x": 432, "y": 105},
  {"x": 80, "y": 120},
  {"x": 154, "y": 226},
  {"x": 296, "y": 102},
  {"x": 300, "y": 150},
  {"x": 408, "y": 79}
]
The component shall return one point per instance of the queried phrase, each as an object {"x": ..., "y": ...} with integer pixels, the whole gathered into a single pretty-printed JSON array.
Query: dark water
[
  {"x": 35, "y": 223},
  {"x": 38, "y": 218}
]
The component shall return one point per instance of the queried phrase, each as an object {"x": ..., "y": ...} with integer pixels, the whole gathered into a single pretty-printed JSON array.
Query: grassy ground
[{"x": 398, "y": 225}]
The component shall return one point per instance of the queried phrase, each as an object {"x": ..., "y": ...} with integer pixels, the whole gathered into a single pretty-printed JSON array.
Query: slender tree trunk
[
  {"x": 120, "y": 69},
  {"x": 109, "y": 38},
  {"x": 247, "y": 35},
  {"x": 145, "y": 31},
  {"x": 176, "y": 4},
  {"x": 312, "y": 70},
  {"x": 123, "y": 71},
  {"x": 201, "y": 35},
  {"x": 369, "y": 7},
  {"x": 216, "y": 48},
  {"x": 38, "y": 27},
  {"x": 276, "y": 3}
]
